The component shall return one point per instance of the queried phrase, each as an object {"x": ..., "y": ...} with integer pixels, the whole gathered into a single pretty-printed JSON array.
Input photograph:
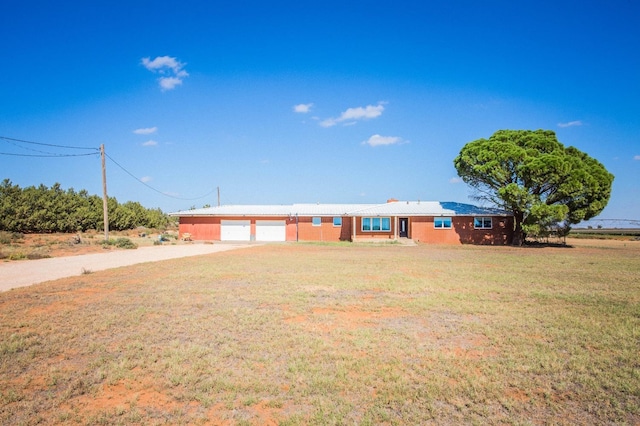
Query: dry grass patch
[
  {"x": 322, "y": 334},
  {"x": 16, "y": 246}
]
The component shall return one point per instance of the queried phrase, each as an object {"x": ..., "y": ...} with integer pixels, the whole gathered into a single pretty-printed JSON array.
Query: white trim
[
  {"x": 444, "y": 220},
  {"x": 371, "y": 219},
  {"x": 483, "y": 218}
]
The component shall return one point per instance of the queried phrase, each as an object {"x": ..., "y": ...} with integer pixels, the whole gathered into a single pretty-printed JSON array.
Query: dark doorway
[{"x": 404, "y": 227}]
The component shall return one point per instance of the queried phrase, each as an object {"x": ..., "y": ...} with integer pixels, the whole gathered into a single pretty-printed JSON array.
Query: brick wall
[
  {"x": 200, "y": 228},
  {"x": 325, "y": 232},
  {"x": 420, "y": 229},
  {"x": 462, "y": 231}
]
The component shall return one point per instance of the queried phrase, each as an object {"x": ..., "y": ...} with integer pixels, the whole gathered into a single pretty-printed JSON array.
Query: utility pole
[
  {"x": 218, "y": 196},
  {"x": 105, "y": 199}
]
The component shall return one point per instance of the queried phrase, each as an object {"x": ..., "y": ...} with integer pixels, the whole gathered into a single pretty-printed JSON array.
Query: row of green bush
[{"x": 43, "y": 210}]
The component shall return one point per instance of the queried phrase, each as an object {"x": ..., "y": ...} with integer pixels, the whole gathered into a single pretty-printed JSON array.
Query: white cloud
[
  {"x": 145, "y": 130},
  {"x": 377, "y": 140},
  {"x": 150, "y": 143},
  {"x": 351, "y": 115},
  {"x": 161, "y": 63},
  {"x": 146, "y": 179},
  {"x": 170, "y": 68},
  {"x": 328, "y": 122},
  {"x": 455, "y": 180},
  {"x": 302, "y": 108},
  {"x": 169, "y": 83},
  {"x": 570, "y": 124},
  {"x": 637, "y": 157},
  {"x": 360, "y": 113}
]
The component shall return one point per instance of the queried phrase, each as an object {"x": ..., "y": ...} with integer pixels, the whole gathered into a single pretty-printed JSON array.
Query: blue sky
[{"x": 290, "y": 101}]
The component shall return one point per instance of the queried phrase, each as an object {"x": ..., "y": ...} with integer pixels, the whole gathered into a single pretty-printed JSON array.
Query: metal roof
[{"x": 395, "y": 208}]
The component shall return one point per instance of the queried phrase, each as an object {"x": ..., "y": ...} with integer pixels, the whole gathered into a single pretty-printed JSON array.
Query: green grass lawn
[{"x": 299, "y": 334}]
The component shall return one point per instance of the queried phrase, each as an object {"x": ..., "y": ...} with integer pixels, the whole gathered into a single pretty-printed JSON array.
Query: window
[
  {"x": 316, "y": 221},
  {"x": 337, "y": 221},
  {"x": 442, "y": 222},
  {"x": 482, "y": 223},
  {"x": 376, "y": 224}
]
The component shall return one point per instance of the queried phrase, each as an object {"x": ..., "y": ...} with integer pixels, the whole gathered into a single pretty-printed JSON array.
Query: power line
[
  {"x": 47, "y": 144},
  {"x": 151, "y": 187},
  {"x": 43, "y": 154},
  {"x": 48, "y": 155},
  {"x": 96, "y": 151}
]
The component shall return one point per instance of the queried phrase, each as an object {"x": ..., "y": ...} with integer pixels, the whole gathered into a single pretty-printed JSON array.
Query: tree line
[{"x": 45, "y": 210}]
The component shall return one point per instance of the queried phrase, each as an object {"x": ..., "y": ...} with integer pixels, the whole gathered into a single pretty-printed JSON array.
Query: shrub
[
  {"x": 5, "y": 238},
  {"x": 122, "y": 242},
  {"x": 10, "y": 237},
  {"x": 126, "y": 243},
  {"x": 37, "y": 255}
]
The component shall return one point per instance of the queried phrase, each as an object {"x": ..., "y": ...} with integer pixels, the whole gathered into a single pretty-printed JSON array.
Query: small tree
[{"x": 531, "y": 174}]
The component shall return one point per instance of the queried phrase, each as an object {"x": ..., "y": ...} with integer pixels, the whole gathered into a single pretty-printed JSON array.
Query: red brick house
[{"x": 421, "y": 221}]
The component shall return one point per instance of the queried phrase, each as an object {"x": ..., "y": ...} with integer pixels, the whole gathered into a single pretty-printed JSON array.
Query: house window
[
  {"x": 482, "y": 223},
  {"x": 442, "y": 222},
  {"x": 337, "y": 221},
  {"x": 316, "y": 221},
  {"x": 376, "y": 224}
]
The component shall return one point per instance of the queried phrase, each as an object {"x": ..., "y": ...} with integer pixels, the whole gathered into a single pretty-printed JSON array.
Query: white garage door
[
  {"x": 235, "y": 230},
  {"x": 271, "y": 230}
]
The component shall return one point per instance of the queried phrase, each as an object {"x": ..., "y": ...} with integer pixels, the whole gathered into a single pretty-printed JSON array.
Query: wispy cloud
[
  {"x": 145, "y": 130},
  {"x": 377, "y": 140},
  {"x": 637, "y": 158},
  {"x": 169, "y": 83},
  {"x": 146, "y": 179},
  {"x": 150, "y": 143},
  {"x": 302, "y": 108},
  {"x": 455, "y": 180},
  {"x": 570, "y": 124},
  {"x": 352, "y": 115},
  {"x": 171, "y": 70}
]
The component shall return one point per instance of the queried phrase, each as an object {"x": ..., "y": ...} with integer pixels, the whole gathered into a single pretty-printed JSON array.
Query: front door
[{"x": 404, "y": 227}]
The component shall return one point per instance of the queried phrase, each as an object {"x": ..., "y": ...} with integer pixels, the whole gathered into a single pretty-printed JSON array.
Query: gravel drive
[{"x": 28, "y": 272}]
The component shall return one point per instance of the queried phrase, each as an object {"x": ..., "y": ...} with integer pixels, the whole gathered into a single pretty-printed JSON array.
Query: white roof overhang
[{"x": 396, "y": 208}]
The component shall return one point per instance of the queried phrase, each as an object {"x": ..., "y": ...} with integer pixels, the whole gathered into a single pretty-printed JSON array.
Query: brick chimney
[{"x": 392, "y": 200}]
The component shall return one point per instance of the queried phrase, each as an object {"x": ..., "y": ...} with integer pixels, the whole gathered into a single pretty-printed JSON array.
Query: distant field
[
  {"x": 300, "y": 334},
  {"x": 635, "y": 232}
]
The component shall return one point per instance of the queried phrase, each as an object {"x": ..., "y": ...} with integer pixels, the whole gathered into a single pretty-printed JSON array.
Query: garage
[
  {"x": 235, "y": 230},
  {"x": 271, "y": 230}
]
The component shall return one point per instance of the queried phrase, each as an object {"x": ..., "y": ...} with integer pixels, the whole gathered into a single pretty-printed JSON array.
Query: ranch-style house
[{"x": 420, "y": 221}]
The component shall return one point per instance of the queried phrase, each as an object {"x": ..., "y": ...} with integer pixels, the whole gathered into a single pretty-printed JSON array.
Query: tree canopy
[
  {"x": 42, "y": 210},
  {"x": 534, "y": 176}
]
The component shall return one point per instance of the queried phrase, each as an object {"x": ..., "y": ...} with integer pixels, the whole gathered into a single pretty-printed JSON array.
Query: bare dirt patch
[
  {"x": 37, "y": 246},
  {"x": 311, "y": 334}
]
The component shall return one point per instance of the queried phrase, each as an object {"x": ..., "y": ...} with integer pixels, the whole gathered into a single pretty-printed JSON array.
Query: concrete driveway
[{"x": 28, "y": 272}]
